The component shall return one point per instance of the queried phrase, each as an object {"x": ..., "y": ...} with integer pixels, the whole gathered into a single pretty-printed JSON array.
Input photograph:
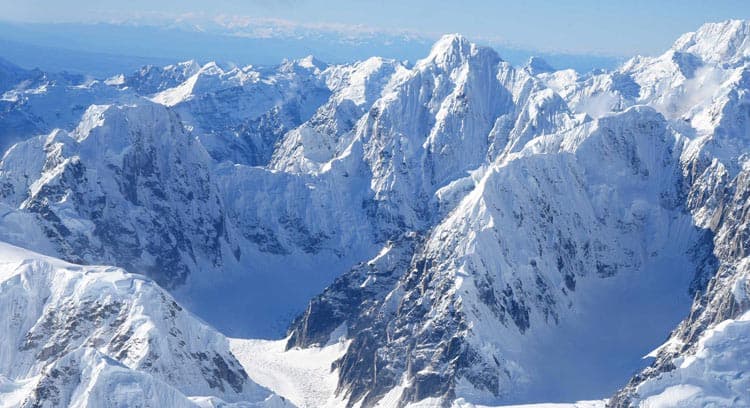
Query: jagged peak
[
  {"x": 452, "y": 50},
  {"x": 189, "y": 63},
  {"x": 311, "y": 62},
  {"x": 450, "y": 43},
  {"x": 211, "y": 67},
  {"x": 537, "y": 65},
  {"x": 188, "y": 68},
  {"x": 726, "y": 41}
]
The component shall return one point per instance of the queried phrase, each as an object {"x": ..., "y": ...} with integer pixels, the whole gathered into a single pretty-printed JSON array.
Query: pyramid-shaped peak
[
  {"x": 308, "y": 63},
  {"x": 211, "y": 67},
  {"x": 454, "y": 40},
  {"x": 451, "y": 50},
  {"x": 311, "y": 62},
  {"x": 450, "y": 46},
  {"x": 537, "y": 65}
]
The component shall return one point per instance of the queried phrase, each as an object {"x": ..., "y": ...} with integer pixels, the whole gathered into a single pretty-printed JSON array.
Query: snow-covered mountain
[
  {"x": 487, "y": 233},
  {"x": 631, "y": 196},
  {"x": 34, "y": 102},
  {"x": 107, "y": 192},
  {"x": 240, "y": 113},
  {"x": 98, "y": 336},
  {"x": 703, "y": 361}
]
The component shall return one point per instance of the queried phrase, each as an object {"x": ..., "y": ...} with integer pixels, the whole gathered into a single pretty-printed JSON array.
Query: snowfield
[{"x": 303, "y": 376}]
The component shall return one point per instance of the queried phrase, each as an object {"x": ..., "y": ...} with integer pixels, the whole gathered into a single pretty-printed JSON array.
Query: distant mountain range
[{"x": 105, "y": 49}]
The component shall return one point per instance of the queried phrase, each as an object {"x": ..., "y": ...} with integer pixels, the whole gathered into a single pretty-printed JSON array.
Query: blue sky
[{"x": 581, "y": 26}]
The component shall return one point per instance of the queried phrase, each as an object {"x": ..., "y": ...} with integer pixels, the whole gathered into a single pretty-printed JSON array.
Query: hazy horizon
[{"x": 576, "y": 27}]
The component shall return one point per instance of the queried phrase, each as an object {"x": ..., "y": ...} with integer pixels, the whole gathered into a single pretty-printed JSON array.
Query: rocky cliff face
[
  {"x": 508, "y": 261},
  {"x": 109, "y": 192},
  {"x": 582, "y": 201},
  {"x": 693, "y": 364},
  {"x": 700, "y": 362}
]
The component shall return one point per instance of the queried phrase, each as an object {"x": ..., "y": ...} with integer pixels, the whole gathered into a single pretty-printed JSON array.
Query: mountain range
[
  {"x": 460, "y": 231},
  {"x": 124, "y": 43}
]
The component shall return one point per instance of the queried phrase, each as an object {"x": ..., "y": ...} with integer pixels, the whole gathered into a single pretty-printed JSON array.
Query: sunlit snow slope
[{"x": 85, "y": 336}]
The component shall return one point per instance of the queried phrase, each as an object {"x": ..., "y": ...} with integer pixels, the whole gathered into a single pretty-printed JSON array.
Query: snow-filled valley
[{"x": 456, "y": 231}]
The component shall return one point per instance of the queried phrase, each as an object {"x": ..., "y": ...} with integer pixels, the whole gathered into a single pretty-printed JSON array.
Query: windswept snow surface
[
  {"x": 717, "y": 373},
  {"x": 303, "y": 376}
]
